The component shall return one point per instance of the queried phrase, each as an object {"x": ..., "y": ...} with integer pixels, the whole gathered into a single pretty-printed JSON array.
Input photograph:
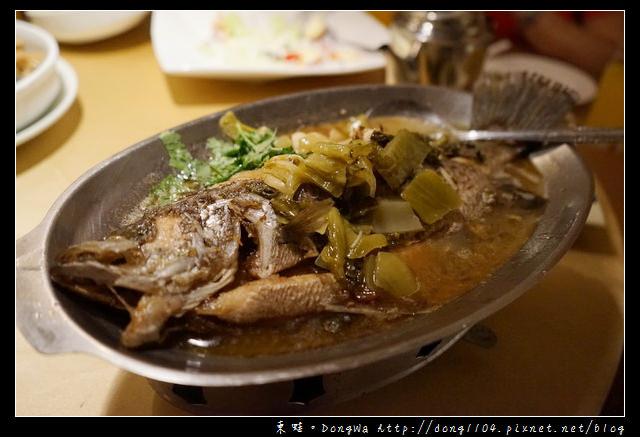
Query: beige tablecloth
[{"x": 558, "y": 345}]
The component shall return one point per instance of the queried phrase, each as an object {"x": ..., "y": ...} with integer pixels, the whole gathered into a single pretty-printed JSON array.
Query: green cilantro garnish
[{"x": 245, "y": 149}]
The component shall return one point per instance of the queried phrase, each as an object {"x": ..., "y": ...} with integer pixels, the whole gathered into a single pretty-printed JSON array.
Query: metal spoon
[{"x": 577, "y": 134}]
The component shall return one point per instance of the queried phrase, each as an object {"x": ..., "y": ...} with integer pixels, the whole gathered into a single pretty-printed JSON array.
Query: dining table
[{"x": 558, "y": 349}]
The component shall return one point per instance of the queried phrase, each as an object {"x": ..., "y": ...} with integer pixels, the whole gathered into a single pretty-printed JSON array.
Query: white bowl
[
  {"x": 36, "y": 92},
  {"x": 80, "y": 27}
]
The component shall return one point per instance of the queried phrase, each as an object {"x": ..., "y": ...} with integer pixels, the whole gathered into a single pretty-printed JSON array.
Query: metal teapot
[{"x": 438, "y": 47}]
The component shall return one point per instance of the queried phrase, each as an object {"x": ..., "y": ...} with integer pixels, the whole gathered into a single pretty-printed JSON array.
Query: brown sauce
[{"x": 449, "y": 266}]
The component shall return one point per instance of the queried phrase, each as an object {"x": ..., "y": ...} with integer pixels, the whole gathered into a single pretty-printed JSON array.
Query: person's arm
[{"x": 550, "y": 34}]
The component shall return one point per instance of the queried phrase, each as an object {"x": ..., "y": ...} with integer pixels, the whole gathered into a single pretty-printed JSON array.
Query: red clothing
[{"x": 505, "y": 25}]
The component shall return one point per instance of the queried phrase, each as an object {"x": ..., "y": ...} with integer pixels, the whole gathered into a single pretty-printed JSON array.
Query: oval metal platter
[{"x": 54, "y": 322}]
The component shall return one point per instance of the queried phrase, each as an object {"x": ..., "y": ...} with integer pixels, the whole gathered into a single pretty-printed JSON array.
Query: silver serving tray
[{"x": 55, "y": 322}]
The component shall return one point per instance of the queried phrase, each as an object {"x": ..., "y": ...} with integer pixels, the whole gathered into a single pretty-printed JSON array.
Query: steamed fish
[
  {"x": 295, "y": 225},
  {"x": 181, "y": 254}
]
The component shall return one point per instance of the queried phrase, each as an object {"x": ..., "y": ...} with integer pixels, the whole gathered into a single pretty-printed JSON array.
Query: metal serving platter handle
[{"x": 38, "y": 314}]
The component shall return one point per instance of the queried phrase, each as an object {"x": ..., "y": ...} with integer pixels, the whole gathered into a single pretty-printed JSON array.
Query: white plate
[
  {"x": 184, "y": 45},
  {"x": 59, "y": 107},
  {"x": 573, "y": 78}
]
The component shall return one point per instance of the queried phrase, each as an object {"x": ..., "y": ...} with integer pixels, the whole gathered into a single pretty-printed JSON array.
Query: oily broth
[{"x": 446, "y": 267}]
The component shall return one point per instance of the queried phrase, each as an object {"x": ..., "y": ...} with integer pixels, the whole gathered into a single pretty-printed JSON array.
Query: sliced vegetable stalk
[
  {"x": 330, "y": 166},
  {"x": 334, "y": 253},
  {"x": 389, "y": 272},
  {"x": 401, "y": 157},
  {"x": 361, "y": 174},
  {"x": 307, "y": 218},
  {"x": 287, "y": 172},
  {"x": 394, "y": 216},
  {"x": 345, "y": 241},
  {"x": 430, "y": 196},
  {"x": 359, "y": 244}
]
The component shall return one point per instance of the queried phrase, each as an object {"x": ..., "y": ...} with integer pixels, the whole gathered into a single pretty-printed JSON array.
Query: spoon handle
[{"x": 579, "y": 134}]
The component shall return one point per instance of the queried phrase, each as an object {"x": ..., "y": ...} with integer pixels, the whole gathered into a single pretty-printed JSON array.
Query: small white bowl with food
[
  {"x": 37, "y": 80},
  {"x": 82, "y": 27}
]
